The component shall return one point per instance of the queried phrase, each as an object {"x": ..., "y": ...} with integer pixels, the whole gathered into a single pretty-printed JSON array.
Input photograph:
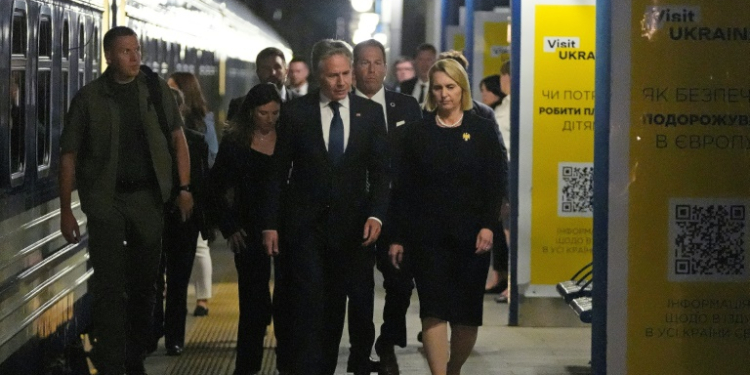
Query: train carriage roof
[{"x": 228, "y": 28}]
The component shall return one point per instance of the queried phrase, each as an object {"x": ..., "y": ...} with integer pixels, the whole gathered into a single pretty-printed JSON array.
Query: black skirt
[{"x": 450, "y": 280}]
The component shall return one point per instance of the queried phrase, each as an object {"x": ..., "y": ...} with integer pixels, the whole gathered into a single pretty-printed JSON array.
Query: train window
[
  {"x": 66, "y": 40},
  {"x": 45, "y": 37},
  {"x": 95, "y": 44},
  {"x": 81, "y": 43},
  {"x": 95, "y": 54},
  {"x": 17, "y": 122},
  {"x": 43, "y": 118},
  {"x": 19, "y": 33},
  {"x": 65, "y": 93}
]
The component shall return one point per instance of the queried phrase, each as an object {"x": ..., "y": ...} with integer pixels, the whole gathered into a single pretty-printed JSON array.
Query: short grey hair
[{"x": 327, "y": 48}]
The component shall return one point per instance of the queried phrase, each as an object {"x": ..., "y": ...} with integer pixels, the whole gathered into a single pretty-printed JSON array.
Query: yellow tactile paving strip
[{"x": 211, "y": 342}]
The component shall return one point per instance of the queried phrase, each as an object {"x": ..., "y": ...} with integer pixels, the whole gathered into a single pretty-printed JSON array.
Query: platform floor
[{"x": 502, "y": 350}]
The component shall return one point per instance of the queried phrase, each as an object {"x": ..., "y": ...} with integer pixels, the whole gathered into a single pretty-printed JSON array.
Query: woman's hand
[
  {"x": 396, "y": 253},
  {"x": 237, "y": 241},
  {"x": 484, "y": 241}
]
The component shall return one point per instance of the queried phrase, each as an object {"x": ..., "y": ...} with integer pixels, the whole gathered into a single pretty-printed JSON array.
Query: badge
[{"x": 467, "y": 136}]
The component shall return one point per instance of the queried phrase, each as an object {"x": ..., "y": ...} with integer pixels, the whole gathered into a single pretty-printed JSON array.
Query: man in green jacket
[{"x": 120, "y": 157}]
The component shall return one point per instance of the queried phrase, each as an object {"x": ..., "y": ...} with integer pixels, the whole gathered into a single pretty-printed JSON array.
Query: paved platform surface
[{"x": 502, "y": 350}]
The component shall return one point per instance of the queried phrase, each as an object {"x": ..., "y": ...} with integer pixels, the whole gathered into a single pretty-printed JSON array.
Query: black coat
[{"x": 447, "y": 182}]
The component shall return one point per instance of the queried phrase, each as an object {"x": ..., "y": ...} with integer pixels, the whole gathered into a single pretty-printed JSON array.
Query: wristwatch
[{"x": 184, "y": 188}]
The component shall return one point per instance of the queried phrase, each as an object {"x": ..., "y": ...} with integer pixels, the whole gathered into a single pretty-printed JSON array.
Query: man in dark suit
[
  {"x": 418, "y": 87},
  {"x": 370, "y": 70},
  {"x": 331, "y": 160},
  {"x": 270, "y": 66}
]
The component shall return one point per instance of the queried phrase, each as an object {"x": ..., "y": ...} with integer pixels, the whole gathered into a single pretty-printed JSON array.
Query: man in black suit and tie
[
  {"x": 331, "y": 160},
  {"x": 418, "y": 87},
  {"x": 270, "y": 66},
  {"x": 370, "y": 70}
]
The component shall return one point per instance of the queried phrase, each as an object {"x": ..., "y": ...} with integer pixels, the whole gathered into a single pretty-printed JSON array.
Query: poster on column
[
  {"x": 688, "y": 301},
  {"x": 563, "y": 141},
  {"x": 491, "y": 44},
  {"x": 455, "y": 37}
]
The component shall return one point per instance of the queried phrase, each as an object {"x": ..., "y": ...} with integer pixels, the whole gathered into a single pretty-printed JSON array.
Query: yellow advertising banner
[
  {"x": 459, "y": 42},
  {"x": 563, "y": 141},
  {"x": 496, "y": 47},
  {"x": 689, "y": 191}
]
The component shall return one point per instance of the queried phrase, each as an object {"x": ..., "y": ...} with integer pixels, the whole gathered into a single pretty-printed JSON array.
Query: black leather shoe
[
  {"x": 374, "y": 366},
  {"x": 200, "y": 311},
  {"x": 174, "y": 350},
  {"x": 388, "y": 362}
]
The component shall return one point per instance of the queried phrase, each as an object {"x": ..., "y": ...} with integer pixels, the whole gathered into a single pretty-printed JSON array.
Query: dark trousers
[
  {"x": 398, "y": 284},
  {"x": 283, "y": 313},
  {"x": 253, "y": 272},
  {"x": 256, "y": 308},
  {"x": 178, "y": 244},
  {"x": 124, "y": 246},
  {"x": 323, "y": 276}
]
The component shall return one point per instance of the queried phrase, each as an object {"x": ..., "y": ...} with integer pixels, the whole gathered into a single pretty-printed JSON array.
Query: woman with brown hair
[
  {"x": 238, "y": 180},
  {"x": 445, "y": 204},
  {"x": 197, "y": 117}
]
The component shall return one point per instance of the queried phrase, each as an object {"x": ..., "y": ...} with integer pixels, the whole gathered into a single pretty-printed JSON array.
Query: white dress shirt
[
  {"x": 418, "y": 89},
  {"x": 502, "y": 116},
  {"x": 326, "y": 115},
  {"x": 379, "y": 98}
]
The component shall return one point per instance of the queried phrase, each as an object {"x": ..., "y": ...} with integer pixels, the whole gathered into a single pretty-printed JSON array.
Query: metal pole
[
  {"x": 515, "y": 58},
  {"x": 114, "y": 13},
  {"x": 601, "y": 187},
  {"x": 469, "y": 48}
]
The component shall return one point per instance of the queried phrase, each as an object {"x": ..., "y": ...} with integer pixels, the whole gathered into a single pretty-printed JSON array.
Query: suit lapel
[{"x": 355, "y": 126}]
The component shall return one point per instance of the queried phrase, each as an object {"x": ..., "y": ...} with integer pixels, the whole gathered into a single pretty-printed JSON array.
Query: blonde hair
[{"x": 456, "y": 72}]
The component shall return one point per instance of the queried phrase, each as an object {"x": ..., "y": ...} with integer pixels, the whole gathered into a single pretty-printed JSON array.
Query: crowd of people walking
[{"x": 322, "y": 172}]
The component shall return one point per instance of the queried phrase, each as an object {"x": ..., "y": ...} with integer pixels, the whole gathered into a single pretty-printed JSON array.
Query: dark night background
[{"x": 304, "y": 22}]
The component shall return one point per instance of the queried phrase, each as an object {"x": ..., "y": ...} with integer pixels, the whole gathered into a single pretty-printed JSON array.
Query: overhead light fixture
[{"x": 362, "y": 5}]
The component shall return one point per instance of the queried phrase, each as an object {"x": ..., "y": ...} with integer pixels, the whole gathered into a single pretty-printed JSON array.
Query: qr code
[
  {"x": 575, "y": 190},
  {"x": 707, "y": 239}
]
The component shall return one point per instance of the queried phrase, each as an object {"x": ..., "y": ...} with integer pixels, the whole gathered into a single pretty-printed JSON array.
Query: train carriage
[{"x": 48, "y": 50}]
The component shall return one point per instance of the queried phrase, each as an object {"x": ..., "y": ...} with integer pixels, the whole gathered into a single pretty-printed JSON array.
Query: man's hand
[
  {"x": 237, "y": 241},
  {"x": 271, "y": 242},
  {"x": 185, "y": 203},
  {"x": 372, "y": 232},
  {"x": 396, "y": 253},
  {"x": 484, "y": 241},
  {"x": 69, "y": 226}
]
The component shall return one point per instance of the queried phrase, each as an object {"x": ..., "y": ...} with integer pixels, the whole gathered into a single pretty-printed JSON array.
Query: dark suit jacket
[
  {"x": 408, "y": 86},
  {"x": 234, "y": 104},
  {"x": 401, "y": 109},
  {"x": 317, "y": 191}
]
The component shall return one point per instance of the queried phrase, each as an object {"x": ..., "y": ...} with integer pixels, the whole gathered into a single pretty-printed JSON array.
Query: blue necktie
[{"x": 336, "y": 135}]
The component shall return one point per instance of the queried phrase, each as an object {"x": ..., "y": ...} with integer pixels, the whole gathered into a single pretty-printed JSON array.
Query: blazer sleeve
[
  {"x": 223, "y": 177},
  {"x": 281, "y": 163},
  {"x": 395, "y": 227}
]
